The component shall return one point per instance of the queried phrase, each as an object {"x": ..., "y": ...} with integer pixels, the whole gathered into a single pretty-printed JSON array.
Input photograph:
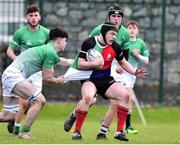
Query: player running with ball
[{"x": 100, "y": 81}]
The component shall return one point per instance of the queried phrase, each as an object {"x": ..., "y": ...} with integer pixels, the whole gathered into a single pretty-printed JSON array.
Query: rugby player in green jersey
[
  {"x": 15, "y": 77},
  {"x": 28, "y": 36},
  {"x": 138, "y": 52}
]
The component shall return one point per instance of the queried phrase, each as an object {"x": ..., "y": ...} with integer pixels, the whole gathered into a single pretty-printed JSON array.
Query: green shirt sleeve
[
  {"x": 50, "y": 56},
  {"x": 145, "y": 49},
  {"x": 15, "y": 40},
  {"x": 51, "y": 59},
  {"x": 125, "y": 44}
]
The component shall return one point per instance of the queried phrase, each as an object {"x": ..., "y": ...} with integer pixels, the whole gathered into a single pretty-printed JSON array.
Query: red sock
[
  {"x": 80, "y": 117},
  {"x": 121, "y": 114}
]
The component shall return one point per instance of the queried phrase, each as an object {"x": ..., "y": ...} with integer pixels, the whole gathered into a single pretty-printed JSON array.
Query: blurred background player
[
  {"x": 100, "y": 81},
  {"x": 115, "y": 15},
  {"x": 15, "y": 82},
  {"x": 138, "y": 52}
]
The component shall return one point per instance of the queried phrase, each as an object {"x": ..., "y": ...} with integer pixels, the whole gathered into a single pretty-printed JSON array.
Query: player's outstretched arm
[
  {"x": 141, "y": 72},
  {"x": 48, "y": 76},
  {"x": 65, "y": 61},
  {"x": 137, "y": 72}
]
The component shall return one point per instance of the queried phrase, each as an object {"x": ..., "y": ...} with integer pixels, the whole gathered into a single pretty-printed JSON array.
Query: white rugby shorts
[
  {"x": 36, "y": 80},
  {"x": 10, "y": 77},
  {"x": 127, "y": 79}
]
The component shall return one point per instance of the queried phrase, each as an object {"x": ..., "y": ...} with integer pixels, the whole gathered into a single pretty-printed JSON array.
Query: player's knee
[
  {"x": 7, "y": 116},
  {"x": 87, "y": 100},
  {"x": 25, "y": 105},
  {"x": 126, "y": 96},
  {"x": 131, "y": 98},
  {"x": 42, "y": 100},
  {"x": 114, "y": 104},
  {"x": 38, "y": 97},
  {"x": 93, "y": 101}
]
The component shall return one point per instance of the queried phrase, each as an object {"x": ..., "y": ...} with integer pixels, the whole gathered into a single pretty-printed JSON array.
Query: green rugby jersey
[
  {"x": 122, "y": 37},
  {"x": 36, "y": 58},
  {"x": 141, "y": 46},
  {"x": 24, "y": 39}
]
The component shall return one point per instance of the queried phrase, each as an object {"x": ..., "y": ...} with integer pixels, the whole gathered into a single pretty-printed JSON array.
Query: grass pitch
[{"x": 163, "y": 127}]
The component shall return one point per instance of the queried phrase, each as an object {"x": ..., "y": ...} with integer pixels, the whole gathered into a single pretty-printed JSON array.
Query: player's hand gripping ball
[{"x": 93, "y": 55}]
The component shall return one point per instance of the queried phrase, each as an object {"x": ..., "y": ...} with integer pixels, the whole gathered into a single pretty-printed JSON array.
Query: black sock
[{"x": 128, "y": 121}]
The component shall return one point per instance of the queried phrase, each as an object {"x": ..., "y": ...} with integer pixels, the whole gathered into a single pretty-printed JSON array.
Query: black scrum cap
[{"x": 107, "y": 26}]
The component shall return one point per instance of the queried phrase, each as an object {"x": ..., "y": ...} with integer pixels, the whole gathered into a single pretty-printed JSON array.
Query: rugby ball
[{"x": 92, "y": 54}]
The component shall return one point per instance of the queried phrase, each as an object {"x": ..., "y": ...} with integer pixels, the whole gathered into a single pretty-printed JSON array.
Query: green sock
[
  {"x": 16, "y": 130},
  {"x": 26, "y": 128}
]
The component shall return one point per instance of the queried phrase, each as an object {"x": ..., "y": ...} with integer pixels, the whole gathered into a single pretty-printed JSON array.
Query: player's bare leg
[
  {"x": 10, "y": 106},
  {"x": 109, "y": 116},
  {"x": 6, "y": 116},
  {"x": 129, "y": 128},
  {"x": 110, "y": 113},
  {"x": 72, "y": 117},
  {"x": 121, "y": 95},
  {"x": 23, "y": 106},
  {"x": 37, "y": 100},
  {"x": 83, "y": 107}
]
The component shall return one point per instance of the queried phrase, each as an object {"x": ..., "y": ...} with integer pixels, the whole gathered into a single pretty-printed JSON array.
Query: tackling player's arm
[
  {"x": 50, "y": 60},
  {"x": 65, "y": 61},
  {"x": 48, "y": 76}
]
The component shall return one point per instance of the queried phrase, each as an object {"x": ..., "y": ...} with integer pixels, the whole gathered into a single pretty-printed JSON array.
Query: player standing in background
[
  {"x": 115, "y": 15},
  {"x": 15, "y": 82},
  {"x": 100, "y": 81},
  {"x": 138, "y": 52},
  {"x": 129, "y": 81}
]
